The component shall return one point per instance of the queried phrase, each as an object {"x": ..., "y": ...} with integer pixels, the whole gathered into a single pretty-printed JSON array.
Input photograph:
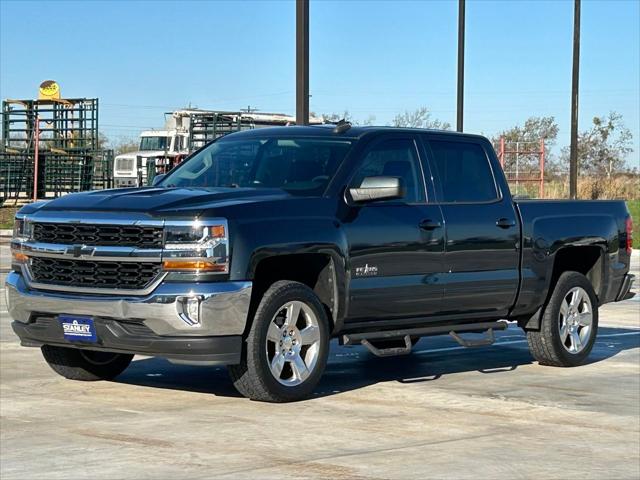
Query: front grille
[
  {"x": 98, "y": 235},
  {"x": 90, "y": 274},
  {"x": 124, "y": 164}
]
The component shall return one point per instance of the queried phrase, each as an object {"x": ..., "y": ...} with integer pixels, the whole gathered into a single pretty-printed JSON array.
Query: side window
[
  {"x": 463, "y": 172},
  {"x": 394, "y": 158}
]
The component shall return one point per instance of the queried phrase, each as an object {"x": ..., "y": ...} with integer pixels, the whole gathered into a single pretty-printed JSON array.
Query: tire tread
[
  {"x": 244, "y": 376},
  {"x": 541, "y": 343},
  {"x": 69, "y": 363}
]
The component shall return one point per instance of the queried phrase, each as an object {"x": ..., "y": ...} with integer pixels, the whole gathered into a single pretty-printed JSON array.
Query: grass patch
[
  {"x": 6, "y": 217},
  {"x": 634, "y": 208}
]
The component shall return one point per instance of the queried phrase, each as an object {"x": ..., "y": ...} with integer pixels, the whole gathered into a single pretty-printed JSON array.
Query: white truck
[
  {"x": 186, "y": 131},
  {"x": 163, "y": 146}
]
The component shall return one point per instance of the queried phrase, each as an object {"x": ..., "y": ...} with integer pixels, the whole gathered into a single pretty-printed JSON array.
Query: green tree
[
  {"x": 602, "y": 150},
  {"x": 419, "y": 118},
  {"x": 527, "y": 138}
]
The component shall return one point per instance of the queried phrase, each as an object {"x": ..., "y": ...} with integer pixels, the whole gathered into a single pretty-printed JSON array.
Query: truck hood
[{"x": 157, "y": 201}]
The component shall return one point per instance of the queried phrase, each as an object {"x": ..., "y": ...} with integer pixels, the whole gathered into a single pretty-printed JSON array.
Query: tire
[
  {"x": 270, "y": 370},
  {"x": 562, "y": 340},
  {"x": 85, "y": 365}
]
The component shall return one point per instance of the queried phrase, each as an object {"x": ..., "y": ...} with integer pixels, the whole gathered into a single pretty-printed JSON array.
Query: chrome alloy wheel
[
  {"x": 576, "y": 317},
  {"x": 293, "y": 343}
]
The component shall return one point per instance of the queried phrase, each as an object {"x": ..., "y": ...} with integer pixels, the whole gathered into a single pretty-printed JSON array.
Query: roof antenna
[{"x": 342, "y": 126}]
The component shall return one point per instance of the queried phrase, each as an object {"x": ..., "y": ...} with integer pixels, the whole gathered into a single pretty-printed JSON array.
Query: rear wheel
[
  {"x": 287, "y": 346},
  {"x": 85, "y": 365},
  {"x": 569, "y": 325}
]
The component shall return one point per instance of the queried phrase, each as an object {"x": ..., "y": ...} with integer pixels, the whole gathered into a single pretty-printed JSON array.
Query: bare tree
[
  {"x": 119, "y": 146},
  {"x": 419, "y": 118},
  {"x": 346, "y": 115}
]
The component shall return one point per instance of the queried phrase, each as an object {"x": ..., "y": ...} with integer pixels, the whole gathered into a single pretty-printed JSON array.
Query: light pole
[
  {"x": 302, "y": 62},
  {"x": 573, "y": 155},
  {"x": 459, "y": 121}
]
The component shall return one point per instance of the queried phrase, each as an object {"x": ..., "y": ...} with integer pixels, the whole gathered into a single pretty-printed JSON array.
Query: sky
[{"x": 372, "y": 58}]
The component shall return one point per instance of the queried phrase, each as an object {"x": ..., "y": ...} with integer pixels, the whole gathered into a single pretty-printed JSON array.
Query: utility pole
[
  {"x": 302, "y": 62},
  {"x": 460, "y": 64},
  {"x": 573, "y": 155}
]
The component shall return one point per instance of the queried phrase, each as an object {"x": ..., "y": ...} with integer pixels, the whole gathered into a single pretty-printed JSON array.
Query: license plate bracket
[{"x": 78, "y": 329}]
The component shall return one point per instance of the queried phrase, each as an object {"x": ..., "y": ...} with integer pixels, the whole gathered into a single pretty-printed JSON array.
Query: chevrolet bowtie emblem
[{"x": 80, "y": 250}]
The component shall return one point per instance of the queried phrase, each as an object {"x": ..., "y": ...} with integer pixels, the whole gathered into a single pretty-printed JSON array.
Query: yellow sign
[{"x": 49, "y": 90}]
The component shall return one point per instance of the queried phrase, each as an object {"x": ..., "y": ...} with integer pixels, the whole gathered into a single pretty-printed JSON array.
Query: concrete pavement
[{"x": 443, "y": 412}]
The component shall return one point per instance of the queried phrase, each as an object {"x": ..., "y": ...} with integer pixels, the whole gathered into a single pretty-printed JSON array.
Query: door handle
[
  {"x": 429, "y": 224},
  {"x": 506, "y": 223}
]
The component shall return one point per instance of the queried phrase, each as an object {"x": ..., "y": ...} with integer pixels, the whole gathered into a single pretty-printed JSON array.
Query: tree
[
  {"x": 603, "y": 148},
  {"x": 346, "y": 115},
  {"x": 419, "y": 118},
  {"x": 126, "y": 146},
  {"x": 527, "y": 138},
  {"x": 122, "y": 145}
]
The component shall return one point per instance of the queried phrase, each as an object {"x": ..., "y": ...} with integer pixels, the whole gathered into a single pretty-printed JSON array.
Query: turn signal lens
[
  {"x": 19, "y": 257},
  {"x": 217, "y": 231},
  {"x": 193, "y": 266}
]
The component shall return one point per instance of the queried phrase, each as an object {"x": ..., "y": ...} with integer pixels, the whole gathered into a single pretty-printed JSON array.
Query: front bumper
[
  {"x": 126, "y": 337},
  {"x": 224, "y": 308}
]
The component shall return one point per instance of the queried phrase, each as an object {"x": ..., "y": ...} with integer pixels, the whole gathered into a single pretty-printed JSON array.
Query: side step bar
[
  {"x": 365, "y": 338},
  {"x": 389, "y": 352}
]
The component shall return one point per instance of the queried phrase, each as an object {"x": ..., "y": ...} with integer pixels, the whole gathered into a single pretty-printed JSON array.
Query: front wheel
[
  {"x": 569, "y": 324},
  {"x": 287, "y": 346},
  {"x": 85, "y": 365}
]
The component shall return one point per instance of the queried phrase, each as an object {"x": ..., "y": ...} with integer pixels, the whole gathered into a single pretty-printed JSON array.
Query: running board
[
  {"x": 481, "y": 342},
  {"x": 389, "y": 352},
  {"x": 364, "y": 338}
]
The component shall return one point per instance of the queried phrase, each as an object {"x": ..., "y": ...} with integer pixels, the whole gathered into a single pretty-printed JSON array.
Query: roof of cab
[{"x": 327, "y": 130}]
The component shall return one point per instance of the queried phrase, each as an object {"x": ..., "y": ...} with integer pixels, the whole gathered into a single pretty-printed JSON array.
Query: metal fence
[{"x": 52, "y": 147}]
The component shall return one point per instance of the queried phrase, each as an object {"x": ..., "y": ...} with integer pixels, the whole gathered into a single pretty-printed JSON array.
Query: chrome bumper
[{"x": 224, "y": 306}]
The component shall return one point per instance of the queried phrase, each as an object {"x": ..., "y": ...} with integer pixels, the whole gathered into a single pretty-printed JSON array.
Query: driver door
[{"x": 396, "y": 247}]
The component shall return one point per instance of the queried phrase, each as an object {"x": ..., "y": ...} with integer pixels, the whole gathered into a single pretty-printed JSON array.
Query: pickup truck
[{"x": 265, "y": 244}]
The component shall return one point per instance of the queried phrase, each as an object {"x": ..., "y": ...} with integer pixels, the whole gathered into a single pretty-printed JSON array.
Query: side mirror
[
  {"x": 377, "y": 188},
  {"x": 158, "y": 178}
]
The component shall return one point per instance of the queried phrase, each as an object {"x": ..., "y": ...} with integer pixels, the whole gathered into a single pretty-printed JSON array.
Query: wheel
[
  {"x": 569, "y": 324},
  {"x": 85, "y": 365},
  {"x": 287, "y": 346}
]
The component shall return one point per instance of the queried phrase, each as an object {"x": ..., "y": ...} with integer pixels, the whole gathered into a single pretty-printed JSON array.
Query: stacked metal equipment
[{"x": 60, "y": 136}]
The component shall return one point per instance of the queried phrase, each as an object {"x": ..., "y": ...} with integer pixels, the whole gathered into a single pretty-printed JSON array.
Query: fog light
[{"x": 189, "y": 310}]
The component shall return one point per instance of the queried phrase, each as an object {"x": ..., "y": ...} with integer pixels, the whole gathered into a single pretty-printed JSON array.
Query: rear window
[{"x": 463, "y": 172}]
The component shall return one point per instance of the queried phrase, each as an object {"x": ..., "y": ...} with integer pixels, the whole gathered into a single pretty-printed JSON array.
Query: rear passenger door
[
  {"x": 395, "y": 246},
  {"x": 482, "y": 233}
]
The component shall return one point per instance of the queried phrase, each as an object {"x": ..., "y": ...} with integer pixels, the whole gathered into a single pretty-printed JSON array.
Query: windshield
[
  {"x": 301, "y": 166},
  {"x": 154, "y": 143}
]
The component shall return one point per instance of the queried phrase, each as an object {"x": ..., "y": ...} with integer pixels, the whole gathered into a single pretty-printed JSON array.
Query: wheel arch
[
  {"x": 589, "y": 260},
  {"x": 322, "y": 270}
]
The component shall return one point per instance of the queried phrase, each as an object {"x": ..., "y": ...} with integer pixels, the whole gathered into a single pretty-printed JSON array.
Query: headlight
[
  {"x": 22, "y": 229},
  {"x": 198, "y": 246},
  {"x": 21, "y": 233}
]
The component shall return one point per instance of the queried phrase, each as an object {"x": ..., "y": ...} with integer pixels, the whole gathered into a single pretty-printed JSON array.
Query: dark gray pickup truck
[{"x": 265, "y": 244}]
